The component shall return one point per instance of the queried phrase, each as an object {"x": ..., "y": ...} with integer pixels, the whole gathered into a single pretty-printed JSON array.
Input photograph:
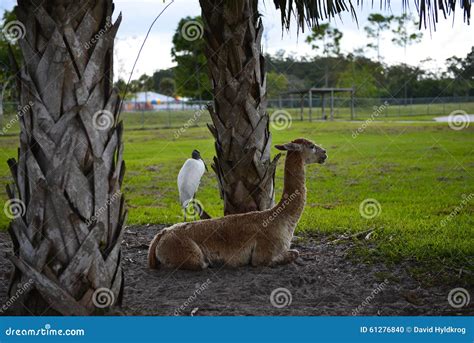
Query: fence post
[
  {"x": 302, "y": 105},
  {"x": 169, "y": 113},
  {"x": 352, "y": 104},
  {"x": 310, "y": 105},
  {"x": 332, "y": 105},
  {"x": 323, "y": 107}
]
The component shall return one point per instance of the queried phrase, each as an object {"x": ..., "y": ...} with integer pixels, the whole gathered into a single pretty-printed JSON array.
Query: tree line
[{"x": 371, "y": 77}]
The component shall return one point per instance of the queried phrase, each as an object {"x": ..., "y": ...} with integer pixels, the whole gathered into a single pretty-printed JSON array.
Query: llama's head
[{"x": 311, "y": 152}]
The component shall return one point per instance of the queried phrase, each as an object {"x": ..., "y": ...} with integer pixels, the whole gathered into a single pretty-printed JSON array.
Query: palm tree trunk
[
  {"x": 66, "y": 205},
  {"x": 233, "y": 33}
]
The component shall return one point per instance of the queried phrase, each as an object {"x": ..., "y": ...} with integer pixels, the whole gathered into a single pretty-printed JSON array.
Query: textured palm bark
[
  {"x": 70, "y": 168},
  {"x": 233, "y": 33}
]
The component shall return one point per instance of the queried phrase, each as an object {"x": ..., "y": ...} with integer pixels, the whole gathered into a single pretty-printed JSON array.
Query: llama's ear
[{"x": 289, "y": 147}]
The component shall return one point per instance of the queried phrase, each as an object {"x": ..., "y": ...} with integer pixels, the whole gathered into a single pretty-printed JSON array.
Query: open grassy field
[{"x": 422, "y": 174}]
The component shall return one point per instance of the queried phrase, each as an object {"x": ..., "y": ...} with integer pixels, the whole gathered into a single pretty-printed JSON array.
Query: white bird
[{"x": 189, "y": 178}]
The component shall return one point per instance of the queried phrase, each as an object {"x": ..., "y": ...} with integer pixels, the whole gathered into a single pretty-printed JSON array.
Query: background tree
[
  {"x": 9, "y": 51},
  {"x": 145, "y": 83},
  {"x": 401, "y": 77},
  {"x": 167, "y": 86},
  {"x": 461, "y": 74},
  {"x": 468, "y": 72},
  {"x": 121, "y": 85},
  {"x": 190, "y": 73},
  {"x": 362, "y": 76},
  {"x": 325, "y": 40},
  {"x": 160, "y": 75},
  {"x": 468, "y": 68},
  {"x": 277, "y": 83},
  {"x": 377, "y": 24},
  {"x": 66, "y": 203},
  {"x": 405, "y": 34}
]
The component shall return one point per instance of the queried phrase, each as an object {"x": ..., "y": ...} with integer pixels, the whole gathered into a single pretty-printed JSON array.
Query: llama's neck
[{"x": 293, "y": 200}]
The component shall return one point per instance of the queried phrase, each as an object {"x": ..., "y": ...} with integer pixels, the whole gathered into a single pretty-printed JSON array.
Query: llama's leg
[
  {"x": 261, "y": 256},
  {"x": 193, "y": 257},
  {"x": 286, "y": 257},
  {"x": 181, "y": 253}
]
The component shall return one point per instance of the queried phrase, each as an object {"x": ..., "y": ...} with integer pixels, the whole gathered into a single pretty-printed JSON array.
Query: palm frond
[{"x": 311, "y": 12}]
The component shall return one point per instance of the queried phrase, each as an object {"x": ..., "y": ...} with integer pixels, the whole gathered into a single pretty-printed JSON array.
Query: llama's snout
[{"x": 323, "y": 158}]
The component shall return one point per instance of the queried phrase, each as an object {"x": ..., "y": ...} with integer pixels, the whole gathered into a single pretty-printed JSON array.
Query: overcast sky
[{"x": 450, "y": 38}]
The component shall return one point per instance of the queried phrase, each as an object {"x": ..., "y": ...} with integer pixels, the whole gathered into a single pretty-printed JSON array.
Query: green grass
[{"x": 418, "y": 173}]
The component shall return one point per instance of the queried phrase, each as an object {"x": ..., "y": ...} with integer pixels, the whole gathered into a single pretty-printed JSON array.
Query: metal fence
[
  {"x": 404, "y": 108},
  {"x": 194, "y": 113}
]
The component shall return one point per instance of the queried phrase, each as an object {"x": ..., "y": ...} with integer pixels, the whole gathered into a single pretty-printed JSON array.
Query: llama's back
[{"x": 225, "y": 230}]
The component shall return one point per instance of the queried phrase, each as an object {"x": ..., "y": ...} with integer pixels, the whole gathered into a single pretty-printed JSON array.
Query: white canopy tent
[
  {"x": 153, "y": 98},
  {"x": 152, "y": 101}
]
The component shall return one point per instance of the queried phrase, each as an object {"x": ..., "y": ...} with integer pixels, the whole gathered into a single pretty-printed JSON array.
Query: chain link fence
[
  {"x": 194, "y": 113},
  {"x": 376, "y": 108}
]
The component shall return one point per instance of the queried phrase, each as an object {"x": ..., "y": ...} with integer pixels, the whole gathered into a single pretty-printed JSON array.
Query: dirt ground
[{"x": 323, "y": 281}]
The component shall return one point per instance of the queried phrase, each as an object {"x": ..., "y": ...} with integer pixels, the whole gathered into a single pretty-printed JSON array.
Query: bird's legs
[{"x": 196, "y": 208}]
